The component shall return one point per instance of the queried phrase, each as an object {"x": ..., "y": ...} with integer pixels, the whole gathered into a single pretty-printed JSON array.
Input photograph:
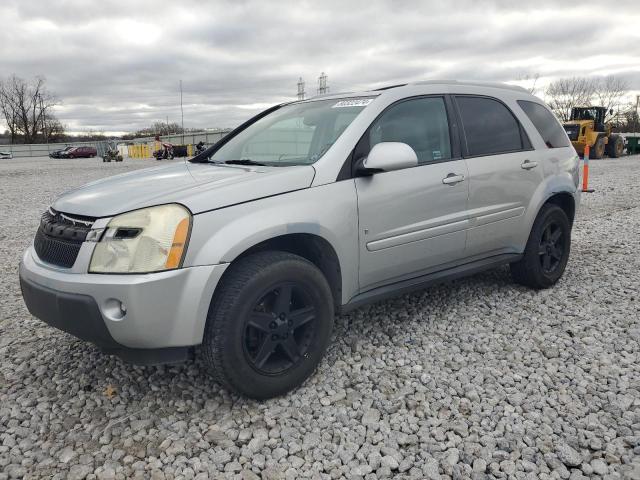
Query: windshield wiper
[{"x": 244, "y": 162}]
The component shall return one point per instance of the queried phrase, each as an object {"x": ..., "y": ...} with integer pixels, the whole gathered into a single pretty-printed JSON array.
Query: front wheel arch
[{"x": 311, "y": 247}]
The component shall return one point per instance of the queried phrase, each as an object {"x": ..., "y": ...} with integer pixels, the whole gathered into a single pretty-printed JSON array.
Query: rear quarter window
[{"x": 546, "y": 123}]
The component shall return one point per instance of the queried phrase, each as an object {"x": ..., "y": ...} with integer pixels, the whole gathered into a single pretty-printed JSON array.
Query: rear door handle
[
  {"x": 452, "y": 179},
  {"x": 528, "y": 164}
]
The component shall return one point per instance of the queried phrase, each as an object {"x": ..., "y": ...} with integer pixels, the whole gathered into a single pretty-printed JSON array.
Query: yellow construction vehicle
[{"x": 587, "y": 127}]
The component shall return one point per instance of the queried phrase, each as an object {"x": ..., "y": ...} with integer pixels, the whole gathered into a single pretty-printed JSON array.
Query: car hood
[{"x": 198, "y": 186}]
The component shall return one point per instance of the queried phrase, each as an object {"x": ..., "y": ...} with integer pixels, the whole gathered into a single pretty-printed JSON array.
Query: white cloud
[{"x": 116, "y": 64}]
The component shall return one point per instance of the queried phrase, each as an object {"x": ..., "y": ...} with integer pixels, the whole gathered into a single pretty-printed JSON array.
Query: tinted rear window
[
  {"x": 489, "y": 126},
  {"x": 546, "y": 124}
]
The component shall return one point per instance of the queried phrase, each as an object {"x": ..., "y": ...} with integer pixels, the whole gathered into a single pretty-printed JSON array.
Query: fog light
[{"x": 114, "y": 309}]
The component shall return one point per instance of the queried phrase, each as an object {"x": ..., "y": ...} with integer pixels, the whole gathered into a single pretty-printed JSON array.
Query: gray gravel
[{"x": 475, "y": 379}]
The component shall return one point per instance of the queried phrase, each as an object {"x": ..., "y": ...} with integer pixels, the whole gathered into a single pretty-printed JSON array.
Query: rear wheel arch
[
  {"x": 557, "y": 193},
  {"x": 565, "y": 201}
]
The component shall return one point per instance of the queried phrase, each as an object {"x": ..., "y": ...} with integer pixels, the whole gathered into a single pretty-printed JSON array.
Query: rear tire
[
  {"x": 615, "y": 147},
  {"x": 547, "y": 252},
  {"x": 269, "y": 324},
  {"x": 597, "y": 151}
]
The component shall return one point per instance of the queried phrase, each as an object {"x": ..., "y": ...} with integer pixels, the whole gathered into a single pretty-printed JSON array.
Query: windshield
[{"x": 296, "y": 134}]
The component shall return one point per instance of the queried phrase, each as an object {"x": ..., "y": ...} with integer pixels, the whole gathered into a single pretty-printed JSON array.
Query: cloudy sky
[{"x": 115, "y": 65}]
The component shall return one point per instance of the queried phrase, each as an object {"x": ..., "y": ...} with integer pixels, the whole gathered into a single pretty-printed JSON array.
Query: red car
[{"x": 82, "y": 152}]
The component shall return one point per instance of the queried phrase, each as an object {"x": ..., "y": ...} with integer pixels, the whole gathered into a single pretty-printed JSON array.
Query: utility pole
[
  {"x": 636, "y": 115},
  {"x": 181, "y": 111},
  {"x": 300, "y": 89},
  {"x": 322, "y": 84}
]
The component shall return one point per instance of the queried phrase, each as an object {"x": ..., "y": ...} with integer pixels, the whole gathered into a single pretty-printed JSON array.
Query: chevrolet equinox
[{"x": 310, "y": 208}]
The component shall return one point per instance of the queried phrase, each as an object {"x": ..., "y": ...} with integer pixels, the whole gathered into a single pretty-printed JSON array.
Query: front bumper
[{"x": 165, "y": 312}]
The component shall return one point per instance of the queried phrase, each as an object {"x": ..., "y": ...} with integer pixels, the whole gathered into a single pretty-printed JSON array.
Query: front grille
[
  {"x": 60, "y": 236},
  {"x": 54, "y": 251}
]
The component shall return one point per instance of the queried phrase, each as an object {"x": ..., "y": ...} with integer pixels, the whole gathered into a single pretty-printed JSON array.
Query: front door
[{"x": 412, "y": 221}]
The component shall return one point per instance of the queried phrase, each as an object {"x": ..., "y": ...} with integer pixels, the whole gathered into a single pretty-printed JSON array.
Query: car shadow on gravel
[{"x": 447, "y": 293}]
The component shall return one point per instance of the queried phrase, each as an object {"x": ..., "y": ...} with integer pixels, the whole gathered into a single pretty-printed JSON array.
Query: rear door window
[
  {"x": 489, "y": 126},
  {"x": 546, "y": 123}
]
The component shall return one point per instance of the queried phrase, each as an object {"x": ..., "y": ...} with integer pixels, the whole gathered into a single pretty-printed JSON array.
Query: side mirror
[{"x": 386, "y": 157}]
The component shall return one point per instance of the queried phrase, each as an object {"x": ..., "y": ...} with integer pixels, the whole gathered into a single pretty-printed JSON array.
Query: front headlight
[{"x": 147, "y": 240}]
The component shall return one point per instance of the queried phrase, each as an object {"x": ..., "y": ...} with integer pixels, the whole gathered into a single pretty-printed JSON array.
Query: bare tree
[
  {"x": 25, "y": 106},
  {"x": 158, "y": 128},
  {"x": 627, "y": 120},
  {"x": 609, "y": 93},
  {"x": 531, "y": 81},
  {"x": 566, "y": 93},
  {"x": 54, "y": 129},
  {"x": 9, "y": 110}
]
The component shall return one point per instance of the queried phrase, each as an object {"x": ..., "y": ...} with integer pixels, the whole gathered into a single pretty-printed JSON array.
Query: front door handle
[
  {"x": 528, "y": 164},
  {"x": 452, "y": 179}
]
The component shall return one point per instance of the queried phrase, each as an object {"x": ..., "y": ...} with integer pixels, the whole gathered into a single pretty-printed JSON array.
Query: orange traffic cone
[{"x": 585, "y": 174}]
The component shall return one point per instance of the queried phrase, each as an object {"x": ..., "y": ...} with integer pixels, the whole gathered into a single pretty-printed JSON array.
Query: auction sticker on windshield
[{"x": 356, "y": 102}]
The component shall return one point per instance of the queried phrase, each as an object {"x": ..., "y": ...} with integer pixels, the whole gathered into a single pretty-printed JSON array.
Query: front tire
[
  {"x": 597, "y": 151},
  {"x": 269, "y": 324},
  {"x": 547, "y": 251}
]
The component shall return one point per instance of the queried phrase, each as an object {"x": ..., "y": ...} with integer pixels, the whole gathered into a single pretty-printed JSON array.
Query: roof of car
[{"x": 378, "y": 91}]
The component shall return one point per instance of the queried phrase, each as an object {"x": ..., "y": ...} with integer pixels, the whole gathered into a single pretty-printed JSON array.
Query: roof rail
[
  {"x": 474, "y": 83},
  {"x": 388, "y": 87},
  {"x": 504, "y": 86}
]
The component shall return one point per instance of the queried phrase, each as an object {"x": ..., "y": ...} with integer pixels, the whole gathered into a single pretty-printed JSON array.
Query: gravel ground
[{"x": 475, "y": 379}]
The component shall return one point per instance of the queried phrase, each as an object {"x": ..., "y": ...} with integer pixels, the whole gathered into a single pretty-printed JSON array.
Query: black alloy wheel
[
  {"x": 547, "y": 251},
  {"x": 551, "y": 249},
  {"x": 280, "y": 329}
]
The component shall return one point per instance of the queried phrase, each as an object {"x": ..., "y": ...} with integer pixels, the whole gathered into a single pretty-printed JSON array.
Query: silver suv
[{"x": 309, "y": 209}]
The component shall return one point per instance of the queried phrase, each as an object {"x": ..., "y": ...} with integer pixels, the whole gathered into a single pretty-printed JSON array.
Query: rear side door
[
  {"x": 412, "y": 221},
  {"x": 504, "y": 172}
]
